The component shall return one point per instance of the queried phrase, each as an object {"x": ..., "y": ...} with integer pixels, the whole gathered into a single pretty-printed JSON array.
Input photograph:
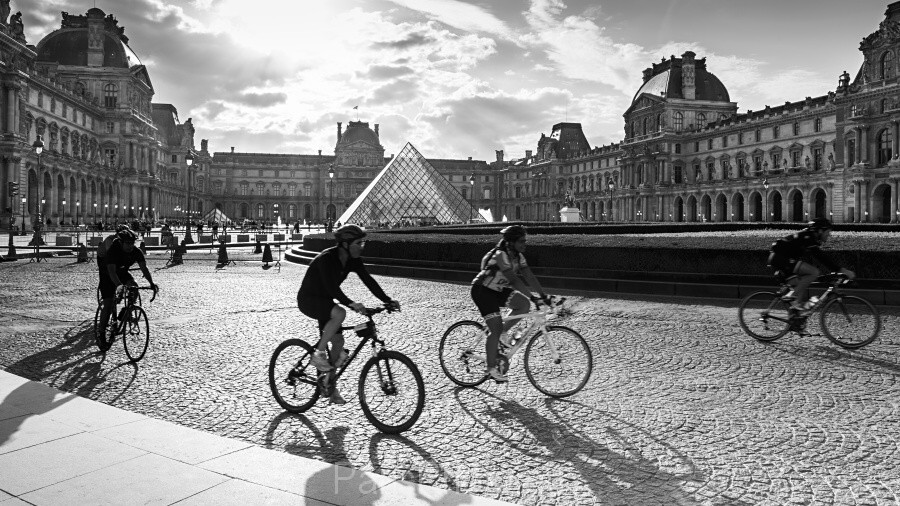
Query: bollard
[
  {"x": 178, "y": 255},
  {"x": 12, "y": 247},
  {"x": 223, "y": 254},
  {"x": 258, "y": 247},
  {"x": 82, "y": 253},
  {"x": 267, "y": 256}
]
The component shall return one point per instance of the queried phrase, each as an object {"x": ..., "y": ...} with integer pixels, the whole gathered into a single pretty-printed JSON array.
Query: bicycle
[
  {"x": 391, "y": 390},
  {"x": 847, "y": 320},
  {"x": 127, "y": 323},
  {"x": 553, "y": 352}
]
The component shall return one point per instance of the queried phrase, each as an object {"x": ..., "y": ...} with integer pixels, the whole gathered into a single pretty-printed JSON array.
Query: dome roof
[
  {"x": 359, "y": 131},
  {"x": 665, "y": 80},
  {"x": 69, "y": 44}
]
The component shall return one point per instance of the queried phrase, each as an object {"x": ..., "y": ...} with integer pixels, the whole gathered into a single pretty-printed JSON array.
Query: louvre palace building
[{"x": 109, "y": 152}]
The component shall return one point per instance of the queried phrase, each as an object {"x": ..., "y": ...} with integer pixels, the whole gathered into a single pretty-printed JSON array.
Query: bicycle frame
[
  {"x": 538, "y": 319},
  {"x": 371, "y": 335},
  {"x": 831, "y": 292}
]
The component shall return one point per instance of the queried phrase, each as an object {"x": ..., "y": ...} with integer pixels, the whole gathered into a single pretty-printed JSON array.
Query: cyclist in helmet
[
  {"x": 322, "y": 285},
  {"x": 114, "y": 274},
  {"x": 500, "y": 283},
  {"x": 787, "y": 254}
]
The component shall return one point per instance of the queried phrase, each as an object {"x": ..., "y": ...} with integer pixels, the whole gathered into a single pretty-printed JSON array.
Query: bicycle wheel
[
  {"x": 558, "y": 363},
  {"x": 462, "y": 353},
  {"x": 391, "y": 392},
  {"x": 850, "y": 321},
  {"x": 135, "y": 330},
  {"x": 99, "y": 338},
  {"x": 764, "y": 316},
  {"x": 292, "y": 378}
]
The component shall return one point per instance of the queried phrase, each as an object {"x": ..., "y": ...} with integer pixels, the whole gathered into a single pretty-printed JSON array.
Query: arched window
[
  {"x": 110, "y": 94},
  {"x": 885, "y": 142},
  {"x": 678, "y": 122},
  {"x": 887, "y": 65},
  {"x": 260, "y": 211},
  {"x": 701, "y": 120}
]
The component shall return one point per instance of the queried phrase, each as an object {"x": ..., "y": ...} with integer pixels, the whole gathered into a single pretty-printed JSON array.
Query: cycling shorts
[
  {"x": 489, "y": 301},
  {"x": 786, "y": 265},
  {"x": 317, "y": 308},
  {"x": 108, "y": 288}
]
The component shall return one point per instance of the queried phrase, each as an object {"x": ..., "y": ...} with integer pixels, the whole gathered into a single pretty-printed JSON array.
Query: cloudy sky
[{"x": 459, "y": 78}]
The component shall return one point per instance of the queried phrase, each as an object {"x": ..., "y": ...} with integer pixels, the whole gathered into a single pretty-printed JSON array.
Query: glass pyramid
[{"x": 409, "y": 191}]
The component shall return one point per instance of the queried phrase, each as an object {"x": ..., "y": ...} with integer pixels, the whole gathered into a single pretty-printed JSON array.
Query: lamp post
[
  {"x": 37, "y": 240},
  {"x": 766, "y": 199},
  {"x": 23, "y": 215},
  {"x": 275, "y": 210},
  {"x": 189, "y": 160},
  {"x": 77, "y": 219},
  {"x": 611, "y": 190},
  {"x": 471, "y": 195},
  {"x": 95, "y": 213},
  {"x": 63, "y": 222},
  {"x": 329, "y": 213}
]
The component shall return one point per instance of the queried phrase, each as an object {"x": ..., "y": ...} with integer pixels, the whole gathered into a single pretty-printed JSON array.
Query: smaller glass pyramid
[{"x": 409, "y": 191}]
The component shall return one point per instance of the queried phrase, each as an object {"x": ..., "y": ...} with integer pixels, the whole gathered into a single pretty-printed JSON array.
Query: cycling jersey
[
  {"x": 492, "y": 266},
  {"x": 789, "y": 249},
  {"x": 325, "y": 274}
]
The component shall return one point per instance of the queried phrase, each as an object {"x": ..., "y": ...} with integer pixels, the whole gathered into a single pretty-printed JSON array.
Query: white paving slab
[
  {"x": 307, "y": 477},
  {"x": 55, "y": 461},
  {"x": 242, "y": 493},
  {"x": 404, "y": 493},
  {"x": 149, "y": 479},
  {"x": 29, "y": 430},
  {"x": 89, "y": 415},
  {"x": 29, "y": 397},
  {"x": 174, "y": 441}
]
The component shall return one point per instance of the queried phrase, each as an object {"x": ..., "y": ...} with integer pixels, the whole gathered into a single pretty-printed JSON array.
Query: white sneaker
[
  {"x": 320, "y": 360},
  {"x": 336, "y": 397},
  {"x": 506, "y": 340},
  {"x": 496, "y": 375}
]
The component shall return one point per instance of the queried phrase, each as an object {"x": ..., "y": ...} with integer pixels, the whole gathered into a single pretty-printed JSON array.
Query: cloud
[
  {"x": 382, "y": 72},
  {"x": 461, "y": 15},
  {"x": 411, "y": 40},
  {"x": 262, "y": 99}
]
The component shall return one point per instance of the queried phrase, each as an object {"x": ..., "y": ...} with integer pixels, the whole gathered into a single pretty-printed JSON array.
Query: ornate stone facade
[
  {"x": 86, "y": 95},
  {"x": 688, "y": 155}
]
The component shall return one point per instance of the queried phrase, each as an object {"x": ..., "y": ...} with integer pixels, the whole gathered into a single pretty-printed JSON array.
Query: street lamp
[
  {"x": 63, "y": 223},
  {"x": 37, "y": 240},
  {"x": 95, "y": 213},
  {"x": 611, "y": 190},
  {"x": 77, "y": 219},
  {"x": 106, "y": 213},
  {"x": 330, "y": 213},
  {"x": 23, "y": 215},
  {"x": 189, "y": 160},
  {"x": 275, "y": 207},
  {"x": 471, "y": 196},
  {"x": 766, "y": 199}
]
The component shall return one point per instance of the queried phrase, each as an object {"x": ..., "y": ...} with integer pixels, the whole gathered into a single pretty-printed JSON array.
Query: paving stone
[{"x": 682, "y": 406}]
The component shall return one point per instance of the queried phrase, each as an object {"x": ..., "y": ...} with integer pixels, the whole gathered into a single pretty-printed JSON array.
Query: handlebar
[
  {"x": 834, "y": 278},
  {"x": 155, "y": 289},
  {"x": 370, "y": 311}
]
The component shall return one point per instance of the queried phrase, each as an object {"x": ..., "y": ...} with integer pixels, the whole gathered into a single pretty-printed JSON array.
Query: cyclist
[
  {"x": 500, "y": 283},
  {"x": 120, "y": 255},
  {"x": 322, "y": 284},
  {"x": 787, "y": 256}
]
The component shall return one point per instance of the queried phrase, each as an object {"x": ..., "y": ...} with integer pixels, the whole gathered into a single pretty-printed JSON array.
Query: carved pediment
[{"x": 888, "y": 32}]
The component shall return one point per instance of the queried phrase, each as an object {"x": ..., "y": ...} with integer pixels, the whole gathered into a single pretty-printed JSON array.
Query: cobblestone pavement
[{"x": 682, "y": 408}]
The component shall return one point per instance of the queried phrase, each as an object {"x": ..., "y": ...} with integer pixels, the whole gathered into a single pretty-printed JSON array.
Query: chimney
[
  {"x": 339, "y": 134},
  {"x": 232, "y": 150},
  {"x": 320, "y": 152},
  {"x": 376, "y": 130},
  {"x": 95, "y": 38},
  {"x": 528, "y": 154},
  {"x": 499, "y": 155},
  {"x": 688, "y": 86}
]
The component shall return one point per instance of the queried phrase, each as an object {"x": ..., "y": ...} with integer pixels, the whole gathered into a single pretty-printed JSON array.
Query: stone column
[
  {"x": 865, "y": 143},
  {"x": 895, "y": 186},
  {"x": 857, "y": 218},
  {"x": 859, "y": 142},
  {"x": 12, "y": 107},
  {"x": 895, "y": 141}
]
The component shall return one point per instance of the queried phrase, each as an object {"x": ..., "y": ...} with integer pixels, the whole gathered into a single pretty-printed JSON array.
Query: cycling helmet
[
  {"x": 349, "y": 233},
  {"x": 819, "y": 224},
  {"x": 126, "y": 235},
  {"x": 513, "y": 233}
]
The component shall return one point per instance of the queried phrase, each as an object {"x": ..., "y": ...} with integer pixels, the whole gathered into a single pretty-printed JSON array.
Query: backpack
[{"x": 104, "y": 245}]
